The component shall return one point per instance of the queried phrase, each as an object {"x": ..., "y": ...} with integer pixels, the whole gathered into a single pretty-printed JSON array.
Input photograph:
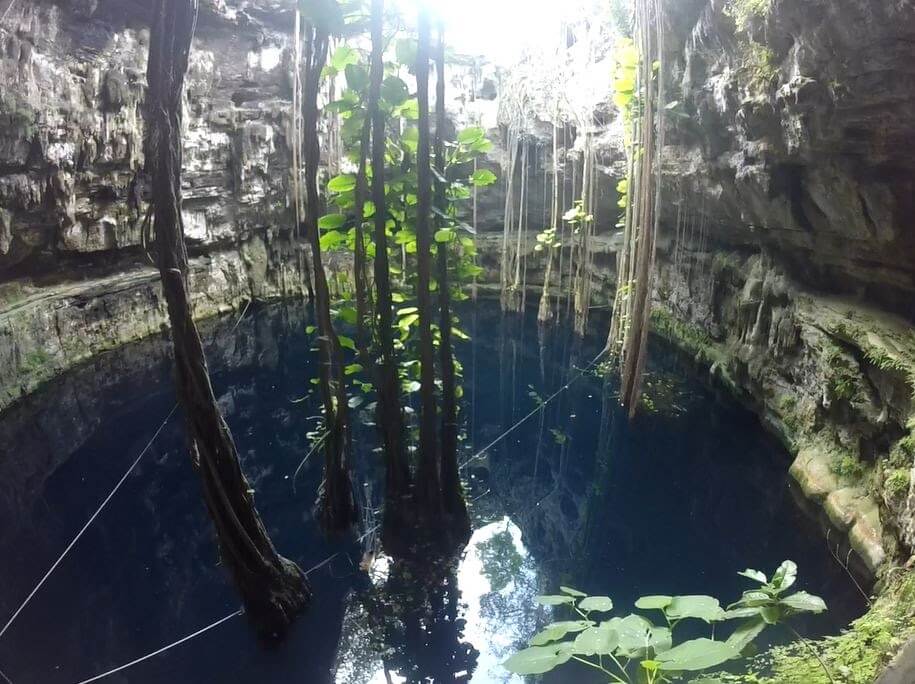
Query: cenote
[
  {"x": 677, "y": 501},
  {"x": 430, "y": 341}
]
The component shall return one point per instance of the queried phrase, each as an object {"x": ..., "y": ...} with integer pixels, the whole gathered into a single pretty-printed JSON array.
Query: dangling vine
[{"x": 640, "y": 94}]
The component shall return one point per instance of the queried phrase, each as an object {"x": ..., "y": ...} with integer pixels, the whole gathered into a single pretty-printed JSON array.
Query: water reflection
[{"x": 676, "y": 502}]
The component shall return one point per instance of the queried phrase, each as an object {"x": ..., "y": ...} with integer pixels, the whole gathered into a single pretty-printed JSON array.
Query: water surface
[{"x": 677, "y": 501}]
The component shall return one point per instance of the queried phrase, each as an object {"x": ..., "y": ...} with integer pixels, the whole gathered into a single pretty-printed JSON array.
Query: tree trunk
[
  {"x": 273, "y": 588},
  {"x": 452, "y": 495},
  {"x": 363, "y": 301},
  {"x": 428, "y": 485},
  {"x": 337, "y": 504},
  {"x": 390, "y": 416}
]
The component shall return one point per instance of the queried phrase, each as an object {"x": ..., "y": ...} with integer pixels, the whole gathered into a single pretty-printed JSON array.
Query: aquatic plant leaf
[
  {"x": 804, "y": 602},
  {"x": 785, "y": 576},
  {"x": 695, "y": 606},
  {"x": 754, "y": 575},
  {"x": 536, "y": 660},
  {"x": 557, "y": 630},
  {"x": 697, "y": 654},
  {"x": 572, "y": 592},
  {"x": 599, "y": 640},
  {"x": 745, "y": 633},
  {"x": 602, "y": 604},
  {"x": 633, "y": 632},
  {"x": 554, "y": 600},
  {"x": 654, "y": 602}
]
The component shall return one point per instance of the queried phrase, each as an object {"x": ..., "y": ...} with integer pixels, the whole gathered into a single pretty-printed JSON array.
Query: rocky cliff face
[
  {"x": 787, "y": 248},
  {"x": 71, "y": 203}
]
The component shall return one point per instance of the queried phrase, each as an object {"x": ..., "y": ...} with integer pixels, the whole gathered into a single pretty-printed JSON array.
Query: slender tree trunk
[
  {"x": 273, "y": 588},
  {"x": 363, "y": 303},
  {"x": 390, "y": 416},
  {"x": 428, "y": 484},
  {"x": 337, "y": 504},
  {"x": 451, "y": 481}
]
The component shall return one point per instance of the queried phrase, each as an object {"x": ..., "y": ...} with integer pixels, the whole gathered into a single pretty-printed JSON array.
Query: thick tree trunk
[
  {"x": 452, "y": 495},
  {"x": 337, "y": 504},
  {"x": 428, "y": 484},
  {"x": 390, "y": 416},
  {"x": 273, "y": 589}
]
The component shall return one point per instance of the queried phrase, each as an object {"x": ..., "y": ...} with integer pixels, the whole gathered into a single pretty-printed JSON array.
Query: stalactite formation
[{"x": 273, "y": 588}]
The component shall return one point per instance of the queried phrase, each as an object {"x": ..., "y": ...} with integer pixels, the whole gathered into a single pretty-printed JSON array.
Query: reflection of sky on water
[{"x": 498, "y": 581}]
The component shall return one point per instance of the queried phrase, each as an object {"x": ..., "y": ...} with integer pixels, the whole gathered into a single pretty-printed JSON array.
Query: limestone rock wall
[{"x": 787, "y": 261}]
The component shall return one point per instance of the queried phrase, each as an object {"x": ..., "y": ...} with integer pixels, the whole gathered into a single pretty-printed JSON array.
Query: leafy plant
[{"x": 635, "y": 649}]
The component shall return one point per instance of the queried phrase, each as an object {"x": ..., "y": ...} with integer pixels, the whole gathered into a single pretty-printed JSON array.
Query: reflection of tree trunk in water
[
  {"x": 390, "y": 416},
  {"x": 337, "y": 505},
  {"x": 273, "y": 589},
  {"x": 453, "y": 498}
]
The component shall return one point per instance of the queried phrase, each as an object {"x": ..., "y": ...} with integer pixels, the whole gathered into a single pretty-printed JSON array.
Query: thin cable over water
[
  {"x": 163, "y": 649},
  {"x": 88, "y": 523},
  {"x": 533, "y": 412}
]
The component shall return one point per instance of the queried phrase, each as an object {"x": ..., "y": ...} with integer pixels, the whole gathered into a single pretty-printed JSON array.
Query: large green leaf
[
  {"x": 602, "y": 604},
  {"x": 331, "y": 221},
  {"x": 557, "y": 630},
  {"x": 483, "y": 177},
  {"x": 342, "y": 183},
  {"x": 804, "y": 602},
  {"x": 470, "y": 135},
  {"x": 695, "y": 606},
  {"x": 536, "y": 660},
  {"x": 633, "y": 632},
  {"x": 655, "y": 602},
  {"x": 754, "y": 575},
  {"x": 785, "y": 576},
  {"x": 554, "y": 600},
  {"x": 394, "y": 91},
  {"x": 697, "y": 654},
  {"x": 572, "y": 592},
  {"x": 745, "y": 633},
  {"x": 599, "y": 640},
  {"x": 343, "y": 56}
]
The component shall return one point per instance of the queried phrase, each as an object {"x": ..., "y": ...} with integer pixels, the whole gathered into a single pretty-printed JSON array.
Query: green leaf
[
  {"x": 352, "y": 369},
  {"x": 745, "y": 633},
  {"x": 357, "y": 77},
  {"x": 572, "y": 592},
  {"x": 346, "y": 342},
  {"x": 601, "y": 604},
  {"x": 536, "y": 660},
  {"x": 331, "y": 240},
  {"x": 655, "y": 602},
  {"x": 804, "y": 602},
  {"x": 394, "y": 91},
  {"x": 552, "y": 600},
  {"x": 599, "y": 640},
  {"x": 557, "y": 630},
  {"x": 347, "y": 314},
  {"x": 410, "y": 109},
  {"x": 700, "y": 607},
  {"x": 343, "y": 56},
  {"x": 470, "y": 135},
  {"x": 697, "y": 654},
  {"x": 310, "y": 329},
  {"x": 444, "y": 235},
  {"x": 785, "y": 576},
  {"x": 331, "y": 221},
  {"x": 404, "y": 311},
  {"x": 483, "y": 177},
  {"x": 755, "y": 575},
  {"x": 633, "y": 633},
  {"x": 343, "y": 183}
]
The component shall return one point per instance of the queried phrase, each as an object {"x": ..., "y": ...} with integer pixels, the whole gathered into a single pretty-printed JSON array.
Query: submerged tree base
[{"x": 272, "y": 607}]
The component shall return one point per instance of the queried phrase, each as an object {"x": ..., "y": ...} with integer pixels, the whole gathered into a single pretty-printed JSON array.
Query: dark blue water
[{"x": 677, "y": 501}]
